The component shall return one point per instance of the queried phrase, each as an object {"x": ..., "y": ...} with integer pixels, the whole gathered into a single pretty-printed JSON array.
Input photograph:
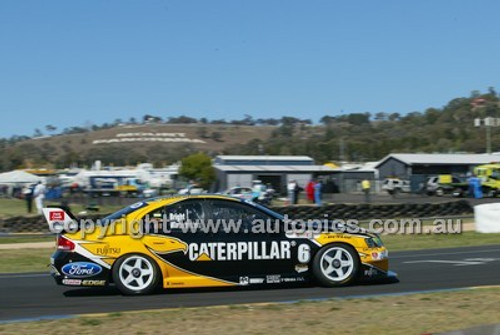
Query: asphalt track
[{"x": 26, "y": 296}]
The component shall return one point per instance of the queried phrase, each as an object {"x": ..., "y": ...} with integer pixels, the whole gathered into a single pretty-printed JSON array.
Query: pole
[
  {"x": 488, "y": 140},
  {"x": 341, "y": 150}
]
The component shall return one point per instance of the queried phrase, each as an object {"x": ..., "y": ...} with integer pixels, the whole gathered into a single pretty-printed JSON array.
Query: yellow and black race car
[{"x": 208, "y": 240}]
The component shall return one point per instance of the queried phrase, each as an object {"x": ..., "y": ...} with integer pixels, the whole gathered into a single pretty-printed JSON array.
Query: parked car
[
  {"x": 395, "y": 186},
  {"x": 240, "y": 192},
  {"x": 445, "y": 184}
]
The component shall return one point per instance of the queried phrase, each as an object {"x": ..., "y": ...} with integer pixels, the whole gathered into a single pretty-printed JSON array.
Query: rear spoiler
[{"x": 60, "y": 219}]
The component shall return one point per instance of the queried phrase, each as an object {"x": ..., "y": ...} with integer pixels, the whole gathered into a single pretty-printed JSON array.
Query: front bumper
[{"x": 371, "y": 274}]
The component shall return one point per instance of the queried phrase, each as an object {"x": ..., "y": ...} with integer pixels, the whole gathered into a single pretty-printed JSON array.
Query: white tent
[{"x": 18, "y": 177}]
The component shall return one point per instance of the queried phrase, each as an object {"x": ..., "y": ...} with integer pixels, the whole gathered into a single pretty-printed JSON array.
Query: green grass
[
  {"x": 390, "y": 315},
  {"x": 432, "y": 241},
  {"x": 21, "y": 239},
  {"x": 28, "y": 260},
  {"x": 14, "y": 207},
  {"x": 17, "y": 207},
  {"x": 25, "y": 260}
]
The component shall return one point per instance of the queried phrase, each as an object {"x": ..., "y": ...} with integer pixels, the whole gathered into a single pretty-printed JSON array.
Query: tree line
[{"x": 346, "y": 137}]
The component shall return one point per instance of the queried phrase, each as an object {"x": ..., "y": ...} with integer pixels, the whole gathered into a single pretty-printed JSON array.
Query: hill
[
  {"x": 129, "y": 144},
  {"x": 347, "y": 137},
  {"x": 370, "y": 136}
]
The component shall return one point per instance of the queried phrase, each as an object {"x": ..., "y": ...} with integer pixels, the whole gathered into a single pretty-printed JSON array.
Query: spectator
[
  {"x": 292, "y": 185},
  {"x": 39, "y": 194},
  {"x": 28, "y": 196},
  {"x": 317, "y": 193},
  {"x": 366, "y": 186},
  {"x": 296, "y": 193},
  {"x": 310, "y": 191}
]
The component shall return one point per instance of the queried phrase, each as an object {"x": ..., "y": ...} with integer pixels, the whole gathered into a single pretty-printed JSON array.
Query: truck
[{"x": 488, "y": 174}]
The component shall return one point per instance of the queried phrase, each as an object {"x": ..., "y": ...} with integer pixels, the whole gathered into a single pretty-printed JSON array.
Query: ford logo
[{"x": 81, "y": 269}]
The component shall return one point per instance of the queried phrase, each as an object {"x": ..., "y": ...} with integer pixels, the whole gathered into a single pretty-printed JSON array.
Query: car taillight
[{"x": 65, "y": 244}]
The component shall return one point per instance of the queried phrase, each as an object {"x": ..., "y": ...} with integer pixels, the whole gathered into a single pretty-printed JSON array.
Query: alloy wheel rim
[
  {"x": 337, "y": 264},
  {"x": 136, "y": 273}
]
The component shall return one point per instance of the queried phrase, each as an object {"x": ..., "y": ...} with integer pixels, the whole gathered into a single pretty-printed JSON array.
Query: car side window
[
  {"x": 176, "y": 217},
  {"x": 223, "y": 211},
  {"x": 184, "y": 214}
]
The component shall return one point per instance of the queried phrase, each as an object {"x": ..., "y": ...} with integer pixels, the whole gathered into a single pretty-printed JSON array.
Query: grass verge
[
  {"x": 411, "y": 314},
  {"x": 17, "y": 207},
  {"x": 22, "y": 239},
  {"x": 29, "y": 260},
  {"x": 433, "y": 241},
  {"x": 25, "y": 260}
]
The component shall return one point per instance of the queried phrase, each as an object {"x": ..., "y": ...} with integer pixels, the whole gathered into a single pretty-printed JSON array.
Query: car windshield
[{"x": 266, "y": 210}]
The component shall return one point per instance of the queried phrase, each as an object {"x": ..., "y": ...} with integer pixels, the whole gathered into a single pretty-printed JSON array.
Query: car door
[{"x": 255, "y": 247}]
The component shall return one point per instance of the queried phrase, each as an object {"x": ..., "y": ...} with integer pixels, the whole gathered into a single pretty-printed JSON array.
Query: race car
[{"x": 208, "y": 241}]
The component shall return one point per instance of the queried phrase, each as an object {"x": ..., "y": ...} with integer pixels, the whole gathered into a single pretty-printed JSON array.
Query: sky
[{"x": 71, "y": 63}]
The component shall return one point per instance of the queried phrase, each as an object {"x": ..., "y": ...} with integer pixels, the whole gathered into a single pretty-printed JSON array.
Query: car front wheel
[
  {"x": 336, "y": 264},
  {"x": 136, "y": 274}
]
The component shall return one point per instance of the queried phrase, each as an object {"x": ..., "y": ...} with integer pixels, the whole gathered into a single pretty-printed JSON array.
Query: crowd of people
[{"x": 313, "y": 192}]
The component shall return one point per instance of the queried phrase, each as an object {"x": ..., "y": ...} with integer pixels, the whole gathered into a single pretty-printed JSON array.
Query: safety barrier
[
  {"x": 376, "y": 211},
  {"x": 37, "y": 224}
]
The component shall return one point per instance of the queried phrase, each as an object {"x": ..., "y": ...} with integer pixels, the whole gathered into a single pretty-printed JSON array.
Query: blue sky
[{"x": 70, "y": 62}]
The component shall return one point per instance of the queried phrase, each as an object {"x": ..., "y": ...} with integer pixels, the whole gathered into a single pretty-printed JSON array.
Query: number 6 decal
[{"x": 304, "y": 253}]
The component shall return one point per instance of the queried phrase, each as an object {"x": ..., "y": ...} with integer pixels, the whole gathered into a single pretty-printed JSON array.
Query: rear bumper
[{"x": 60, "y": 260}]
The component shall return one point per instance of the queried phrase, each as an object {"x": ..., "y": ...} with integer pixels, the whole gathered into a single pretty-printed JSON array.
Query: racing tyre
[
  {"x": 336, "y": 264},
  {"x": 136, "y": 274}
]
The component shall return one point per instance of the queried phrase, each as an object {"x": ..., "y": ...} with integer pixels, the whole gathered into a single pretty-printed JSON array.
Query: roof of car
[{"x": 175, "y": 198}]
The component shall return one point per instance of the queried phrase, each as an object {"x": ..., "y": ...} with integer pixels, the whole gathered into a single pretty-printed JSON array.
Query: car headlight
[
  {"x": 374, "y": 242},
  {"x": 370, "y": 242}
]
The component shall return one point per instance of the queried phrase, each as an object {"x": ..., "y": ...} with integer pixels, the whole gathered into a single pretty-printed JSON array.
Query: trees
[
  {"x": 217, "y": 136},
  {"x": 198, "y": 167},
  {"x": 50, "y": 128},
  {"x": 151, "y": 119},
  {"x": 182, "y": 119}
]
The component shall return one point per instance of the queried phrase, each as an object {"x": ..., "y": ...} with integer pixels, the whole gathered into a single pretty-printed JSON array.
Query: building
[
  {"x": 277, "y": 171},
  {"x": 417, "y": 167}
]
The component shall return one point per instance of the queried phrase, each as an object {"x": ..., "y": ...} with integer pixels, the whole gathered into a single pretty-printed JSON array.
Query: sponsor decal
[
  {"x": 137, "y": 205},
  {"x": 91, "y": 282},
  {"x": 173, "y": 283},
  {"x": 177, "y": 217},
  {"x": 301, "y": 268},
  {"x": 292, "y": 279},
  {"x": 107, "y": 251},
  {"x": 56, "y": 215},
  {"x": 81, "y": 269},
  {"x": 302, "y": 234},
  {"x": 72, "y": 282},
  {"x": 379, "y": 255},
  {"x": 371, "y": 272},
  {"x": 273, "y": 279},
  {"x": 244, "y": 281},
  {"x": 237, "y": 251},
  {"x": 256, "y": 280}
]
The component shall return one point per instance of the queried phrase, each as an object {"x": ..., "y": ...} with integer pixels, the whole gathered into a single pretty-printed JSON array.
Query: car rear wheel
[
  {"x": 136, "y": 274},
  {"x": 336, "y": 264}
]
